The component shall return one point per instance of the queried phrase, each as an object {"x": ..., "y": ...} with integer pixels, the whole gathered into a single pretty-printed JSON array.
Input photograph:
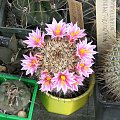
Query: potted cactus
[
  {"x": 62, "y": 62},
  {"x": 17, "y": 97},
  {"x": 107, "y": 92}
]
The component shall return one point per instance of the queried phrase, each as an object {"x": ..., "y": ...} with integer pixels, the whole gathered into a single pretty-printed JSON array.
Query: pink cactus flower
[
  {"x": 85, "y": 50},
  {"x": 78, "y": 81},
  {"x": 30, "y": 64},
  {"x": 74, "y": 32},
  {"x": 84, "y": 67},
  {"x": 35, "y": 39},
  {"x": 55, "y": 29},
  {"x": 45, "y": 81},
  {"x": 63, "y": 80}
]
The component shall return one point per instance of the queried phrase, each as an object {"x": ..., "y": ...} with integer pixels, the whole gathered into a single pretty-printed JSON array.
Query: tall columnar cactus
[
  {"x": 108, "y": 71},
  {"x": 37, "y": 12}
]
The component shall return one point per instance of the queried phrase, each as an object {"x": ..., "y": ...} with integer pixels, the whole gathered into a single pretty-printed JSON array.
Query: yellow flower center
[
  {"x": 85, "y": 67},
  {"x": 57, "y": 31},
  {"x": 37, "y": 40},
  {"x": 77, "y": 32},
  {"x": 82, "y": 65},
  {"x": 48, "y": 78},
  {"x": 63, "y": 77},
  {"x": 72, "y": 34},
  {"x": 33, "y": 62},
  {"x": 83, "y": 51}
]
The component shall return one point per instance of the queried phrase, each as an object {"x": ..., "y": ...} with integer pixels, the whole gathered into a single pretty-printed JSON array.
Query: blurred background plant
[
  {"x": 31, "y": 13},
  {"x": 89, "y": 16}
]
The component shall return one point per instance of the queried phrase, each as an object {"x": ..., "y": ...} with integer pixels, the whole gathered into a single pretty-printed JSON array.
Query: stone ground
[{"x": 86, "y": 113}]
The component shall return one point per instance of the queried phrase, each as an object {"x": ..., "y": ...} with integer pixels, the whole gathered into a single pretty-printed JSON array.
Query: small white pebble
[{"x": 22, "y": 114}]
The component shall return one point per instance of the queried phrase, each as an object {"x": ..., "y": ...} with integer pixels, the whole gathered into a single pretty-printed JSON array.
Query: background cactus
[
  {"x": 14, "y": 97},
  {"x": 31, "y": 13},
  {"x": 108, "y": 71}
]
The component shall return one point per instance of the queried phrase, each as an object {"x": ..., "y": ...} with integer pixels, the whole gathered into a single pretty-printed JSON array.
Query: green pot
[
  {"x": 27, "y": 81},
  {"x": 66, "y": 106}
]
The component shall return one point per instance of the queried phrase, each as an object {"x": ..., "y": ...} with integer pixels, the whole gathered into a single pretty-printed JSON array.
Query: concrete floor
[{"x": 86, "y": 113}]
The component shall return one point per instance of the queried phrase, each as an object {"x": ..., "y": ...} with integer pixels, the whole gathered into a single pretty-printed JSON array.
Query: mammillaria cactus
[
  {"x": 62, "y": 61},
  {"x": 14, "y": 96}
]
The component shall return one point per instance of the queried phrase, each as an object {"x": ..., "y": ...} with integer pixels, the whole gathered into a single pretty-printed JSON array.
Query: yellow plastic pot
[{"x": 66, "y": 106}]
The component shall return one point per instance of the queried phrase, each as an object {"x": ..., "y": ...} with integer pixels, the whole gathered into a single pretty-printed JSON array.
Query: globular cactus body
[
  {"x": 108, "y": 71},
  {"x": 14, "y": 97}
]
